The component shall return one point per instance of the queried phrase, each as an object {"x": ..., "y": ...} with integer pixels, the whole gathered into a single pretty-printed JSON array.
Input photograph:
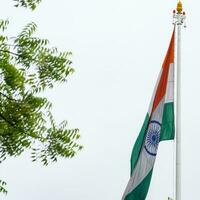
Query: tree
[
  {"x": 28, "y": 66},
  {"x": 27, "y": 3}
]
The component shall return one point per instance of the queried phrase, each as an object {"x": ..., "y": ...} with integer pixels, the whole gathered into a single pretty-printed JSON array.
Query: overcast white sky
[{"x": 118, "y": 48}]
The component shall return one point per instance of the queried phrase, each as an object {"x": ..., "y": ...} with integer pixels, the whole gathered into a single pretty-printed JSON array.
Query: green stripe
[
  {"x": 167, "y": 129},
  {"x": 140, "y": 192},
  {"x": 167, "y": 133},
  {"x": 138, "y": 144}
]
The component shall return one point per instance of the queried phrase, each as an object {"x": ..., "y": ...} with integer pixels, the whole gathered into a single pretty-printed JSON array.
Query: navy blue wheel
[{"x": 152, "y": 138}]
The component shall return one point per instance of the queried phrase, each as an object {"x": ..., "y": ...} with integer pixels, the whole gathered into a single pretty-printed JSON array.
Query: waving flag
[{"x": 158, "y": 126}]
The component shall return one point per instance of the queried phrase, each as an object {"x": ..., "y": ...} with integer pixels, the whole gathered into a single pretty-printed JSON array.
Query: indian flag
[{"x": 158, "y": 126}]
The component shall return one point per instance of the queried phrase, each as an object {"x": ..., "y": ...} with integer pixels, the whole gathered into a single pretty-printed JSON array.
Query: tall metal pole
[
  {"x": 178, "y": 114},
  {"x": 179, "y": 20}
]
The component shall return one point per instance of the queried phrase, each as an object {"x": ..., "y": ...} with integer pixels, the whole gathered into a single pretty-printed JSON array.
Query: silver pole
[
  {"x": 178, "y": 114},
  {"x": 179, "y": 20}
]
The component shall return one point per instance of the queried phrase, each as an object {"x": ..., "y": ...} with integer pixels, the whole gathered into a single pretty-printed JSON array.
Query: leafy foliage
[
  {"x": 2, "y": 189},
  {"x": 32, "y": 4},
  {"x": 28, "y": 67}
]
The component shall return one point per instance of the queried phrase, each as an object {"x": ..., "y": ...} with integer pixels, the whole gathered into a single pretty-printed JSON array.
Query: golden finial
[{"x": 179, "y": 7}]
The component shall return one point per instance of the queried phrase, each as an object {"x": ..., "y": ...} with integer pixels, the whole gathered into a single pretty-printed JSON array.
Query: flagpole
[
  {"x": 178, "y": 113},
  {"x": 179, "y": 20}
]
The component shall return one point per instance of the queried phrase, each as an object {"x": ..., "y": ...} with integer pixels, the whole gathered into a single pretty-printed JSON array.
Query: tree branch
[
  {"x": 6, "y": 51},
  {"x": 9, "y": 122},
  {"x": 7, "y": 97}
]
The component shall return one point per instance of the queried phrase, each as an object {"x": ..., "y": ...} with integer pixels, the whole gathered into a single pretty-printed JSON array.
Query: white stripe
[
  {"x": 145, "y": 162},
  {"x": 170, "y": 85},
  {"x": 154, "y": 92}
]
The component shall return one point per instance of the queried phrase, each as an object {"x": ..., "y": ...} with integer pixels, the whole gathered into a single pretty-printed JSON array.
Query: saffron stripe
[{"x": 162, "y": 86}]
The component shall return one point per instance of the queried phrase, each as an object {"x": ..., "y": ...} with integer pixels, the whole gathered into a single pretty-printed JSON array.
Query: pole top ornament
[
  {"x": 179, "y": 15},
  {"x": 179, "y": 7}
]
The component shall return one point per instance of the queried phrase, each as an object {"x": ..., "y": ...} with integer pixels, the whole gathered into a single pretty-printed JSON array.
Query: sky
[{"x": 118, "y": 49}]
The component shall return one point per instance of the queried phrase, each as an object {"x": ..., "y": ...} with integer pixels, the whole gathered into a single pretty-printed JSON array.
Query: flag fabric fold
[{"x": 158, "y": 126}]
